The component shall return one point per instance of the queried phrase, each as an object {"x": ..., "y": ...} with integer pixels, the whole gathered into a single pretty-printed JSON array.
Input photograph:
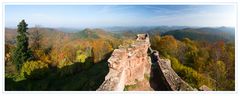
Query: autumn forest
[{"x": 50, "y": 59}]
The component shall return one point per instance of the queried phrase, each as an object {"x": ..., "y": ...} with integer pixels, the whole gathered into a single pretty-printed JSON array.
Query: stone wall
[
  {"x": 128, "y": 65},
  {"x": 171, "y": 78}
]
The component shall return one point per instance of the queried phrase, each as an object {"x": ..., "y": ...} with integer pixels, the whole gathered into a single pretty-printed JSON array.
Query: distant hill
[
  {"x": 143, "y": 29},
  {"x": 10, "y": 35},
  {"x": 68, "y": 30},
  {"x": 179, "y": 32},
  {"x": 50, "y": 35},
  {"x": 54, "y": 35},
  {"x": 206, "y": 33},
  {"x": 92, "y": 34}
]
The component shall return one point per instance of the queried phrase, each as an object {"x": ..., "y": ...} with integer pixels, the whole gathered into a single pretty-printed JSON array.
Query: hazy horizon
[
  {"x": 103, "y": 27},
  {"x": 99, "y": 16}
]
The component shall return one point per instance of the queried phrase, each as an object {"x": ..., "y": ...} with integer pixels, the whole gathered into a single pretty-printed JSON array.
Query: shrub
[
  {"x": 81, "y": 57},
  {"x": 34, "y": 69},
  {"x": 65, "y": 62},
  {"x": 41, "y": 55}
]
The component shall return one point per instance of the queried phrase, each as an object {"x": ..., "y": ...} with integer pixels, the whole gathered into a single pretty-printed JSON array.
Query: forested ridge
[{"x": 58, "y": 60}]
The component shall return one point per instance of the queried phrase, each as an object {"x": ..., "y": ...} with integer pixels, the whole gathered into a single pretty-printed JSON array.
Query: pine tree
[{"x": 21, "y": 53}]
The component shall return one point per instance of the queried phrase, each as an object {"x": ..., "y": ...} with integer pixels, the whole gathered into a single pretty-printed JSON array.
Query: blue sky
[{"x": 80, "y": 16}]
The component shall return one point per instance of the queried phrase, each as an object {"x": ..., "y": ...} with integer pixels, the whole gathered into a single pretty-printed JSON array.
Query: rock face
[
  {"x": 128, "y": 65},
  {"x": 171, "y": 78}
]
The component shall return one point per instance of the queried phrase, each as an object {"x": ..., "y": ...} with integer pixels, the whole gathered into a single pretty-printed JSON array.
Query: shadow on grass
[{"x": 75, "y": 77}]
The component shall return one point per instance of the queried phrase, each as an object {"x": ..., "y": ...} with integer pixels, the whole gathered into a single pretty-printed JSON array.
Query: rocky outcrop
[{"x": 127, "y": 65}]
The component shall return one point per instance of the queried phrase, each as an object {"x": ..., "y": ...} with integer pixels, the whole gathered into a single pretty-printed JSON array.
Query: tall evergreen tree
[{"x": 21, "y": 53}]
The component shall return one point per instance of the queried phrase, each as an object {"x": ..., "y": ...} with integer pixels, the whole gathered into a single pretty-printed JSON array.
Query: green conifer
[{"x": 21, "y": 53}]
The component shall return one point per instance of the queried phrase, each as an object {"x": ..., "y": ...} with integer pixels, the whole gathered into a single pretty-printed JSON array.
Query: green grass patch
[
  {"x": 146, "y": 76},
  {"x": 130, "y": 87}
]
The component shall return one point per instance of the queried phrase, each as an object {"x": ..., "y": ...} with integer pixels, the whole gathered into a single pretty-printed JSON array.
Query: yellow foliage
[
  {"x": 30, "y": 66},
  {"x": 190, "y": 75},
  {"x": 39, "y": 54},
  {"x": 64, "y": 62},
  {"x": 100, "y": 49},
  {"x": 80, "y": 56}
]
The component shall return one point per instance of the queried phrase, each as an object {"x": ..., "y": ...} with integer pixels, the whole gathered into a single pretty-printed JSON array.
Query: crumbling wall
[
  {"x": 128, "y": 65},
  {"x": 171, "y": 78}
]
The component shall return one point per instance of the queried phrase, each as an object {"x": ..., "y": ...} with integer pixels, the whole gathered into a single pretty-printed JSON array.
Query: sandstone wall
[
  {"x": 171, "y": 78},
  {"x": 128, "y": 65}
]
